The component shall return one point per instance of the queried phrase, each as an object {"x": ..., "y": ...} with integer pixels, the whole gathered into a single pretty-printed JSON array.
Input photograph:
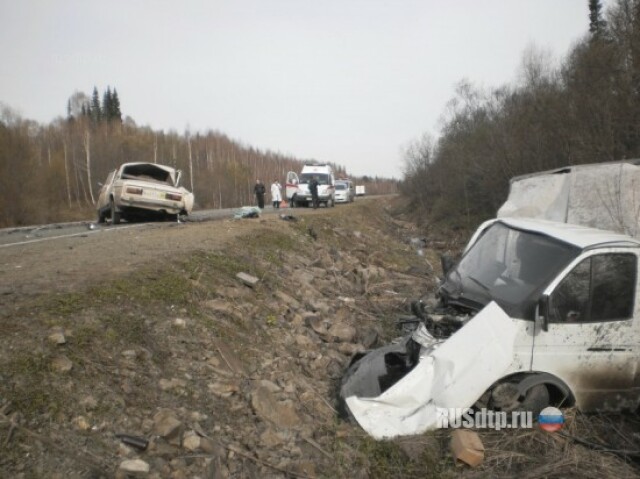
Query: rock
[
  {"x": 124, "y": 450},
  {"x": 316, "y": 323},
  {"x": 271, "y": 439},
  {"x": 223, "y": 306},
  {"x": 134, "y": 466},
  {"x": 191, "y": 441},
  {"x": 165, "y": 424},
  {"x": 346, "y": 300},
  {"x": 368, "y": 338},
  {"x": 229, "y": 357},
  {"x": 297, "y": 320},
  {"x": 88, "y": 403},
  {"x": 334, "y": 369},
  {"x": 318, "y": 272},
  {"x": 269, "y": 386},
  {"x": 280, "y": 413},
  {"x": 81, "y": 423},
  {"x": 247, "y": 279},
  {"x": 319, "y": 305},
  {"x": 180, "y": 323},
  {"x": 303, "y": 468},
  {"x": 211, "y": 447},
  {"x": 166, "y": 384},
  {"x": 300, "y": 276},
  {"x": 163, "y": 450},
  {"x": 61, "y": 364},
  {"x": 349, "y": 349},
  {"x": 343, "y": 333},
  {"x": 288, "y": 300},
  {"x": 414, "y": 446},
  {"x": 57, "y": 337},
  {"x": 223, "y": 389},
  {"x": 304, "y": 341}
]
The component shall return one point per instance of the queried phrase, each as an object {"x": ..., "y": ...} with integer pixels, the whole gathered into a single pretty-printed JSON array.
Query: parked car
[
  {"x": 345, "y": 191},
  {"x": 143, "y": 191}
]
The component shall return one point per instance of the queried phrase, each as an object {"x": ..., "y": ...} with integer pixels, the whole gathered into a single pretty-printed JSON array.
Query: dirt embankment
[{"x": 140, "y": 352}]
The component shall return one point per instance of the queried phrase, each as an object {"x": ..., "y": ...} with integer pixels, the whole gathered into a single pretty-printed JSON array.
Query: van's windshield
[
  {"x": 322, "y": 178},
  {"x": 341, "y": 186},
  {"x": 509, "y": 266}
]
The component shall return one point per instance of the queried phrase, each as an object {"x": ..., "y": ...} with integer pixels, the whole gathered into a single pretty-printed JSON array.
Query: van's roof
[{"x": 581, "y": 236}]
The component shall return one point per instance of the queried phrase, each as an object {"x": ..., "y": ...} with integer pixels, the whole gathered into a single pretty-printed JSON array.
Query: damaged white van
[{"x": 535, "y": 313}]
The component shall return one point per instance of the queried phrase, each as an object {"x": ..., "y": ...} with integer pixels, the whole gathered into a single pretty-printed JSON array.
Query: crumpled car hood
[{"x": 454, "y": 374}]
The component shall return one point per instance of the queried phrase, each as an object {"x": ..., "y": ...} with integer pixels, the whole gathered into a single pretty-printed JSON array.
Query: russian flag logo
[{"x": 551, "y": 419}]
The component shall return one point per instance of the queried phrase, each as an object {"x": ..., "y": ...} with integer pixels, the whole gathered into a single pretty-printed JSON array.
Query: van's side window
[{"x": 600, "y": 288}]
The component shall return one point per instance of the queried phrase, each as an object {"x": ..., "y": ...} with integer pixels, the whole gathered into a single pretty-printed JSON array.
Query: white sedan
[{"x": 142, "y": 191}]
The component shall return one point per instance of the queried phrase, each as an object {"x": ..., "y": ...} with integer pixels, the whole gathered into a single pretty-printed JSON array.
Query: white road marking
[{"x": 88, "y": 232}]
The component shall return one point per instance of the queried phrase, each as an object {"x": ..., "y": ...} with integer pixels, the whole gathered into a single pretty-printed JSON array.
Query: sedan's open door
[{"x": 291, "y": 186}]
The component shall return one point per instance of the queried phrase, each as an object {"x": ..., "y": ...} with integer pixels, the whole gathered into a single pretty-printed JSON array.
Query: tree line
[
  {"x": 50, "y": 173},
  {"x": 586, "y": 109}
]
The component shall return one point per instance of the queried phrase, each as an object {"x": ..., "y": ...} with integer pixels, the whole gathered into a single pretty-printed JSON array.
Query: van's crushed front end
[{"x": 400, "y": 388}]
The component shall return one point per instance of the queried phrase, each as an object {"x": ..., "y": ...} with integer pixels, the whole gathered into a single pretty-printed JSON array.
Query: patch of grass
[
  {"x": 271, "y": 320},
  {"x": 386, "y": 459},
  {"x": 62, "y": 304},
  {"x": 145, "y": 287},
  {"x": 214, "y": 264},
  {"x": 85, "y": 334},
  {"x": 129, "y": 329},
  {"x": 28, "y": 392}
]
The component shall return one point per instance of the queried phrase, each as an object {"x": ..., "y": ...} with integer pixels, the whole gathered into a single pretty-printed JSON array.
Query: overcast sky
[{"x": 347, "y": 81}]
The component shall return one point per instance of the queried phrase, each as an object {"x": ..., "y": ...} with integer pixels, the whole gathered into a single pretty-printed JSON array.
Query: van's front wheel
[
  {"x": 505, "y": 397},
  {"x": 535, "y": 400}
]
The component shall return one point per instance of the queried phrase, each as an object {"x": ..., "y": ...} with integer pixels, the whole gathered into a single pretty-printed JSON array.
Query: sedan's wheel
[{"x": 115, "y": 216}]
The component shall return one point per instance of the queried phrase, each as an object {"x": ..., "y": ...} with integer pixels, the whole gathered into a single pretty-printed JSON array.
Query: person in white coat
[{"x": 276, "y": 194}]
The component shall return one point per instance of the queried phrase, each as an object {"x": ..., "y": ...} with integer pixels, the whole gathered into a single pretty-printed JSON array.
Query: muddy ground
[{"x": 139, "y": 352}]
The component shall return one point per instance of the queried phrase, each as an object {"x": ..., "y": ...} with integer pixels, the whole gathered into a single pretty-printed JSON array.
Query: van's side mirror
[
  {"x": 447, "y": 262},
  {"x": 542, "y": 312}
]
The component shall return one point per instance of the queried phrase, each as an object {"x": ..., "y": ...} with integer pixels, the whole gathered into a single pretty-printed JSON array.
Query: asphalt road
[{"x": 32, "y": 234}]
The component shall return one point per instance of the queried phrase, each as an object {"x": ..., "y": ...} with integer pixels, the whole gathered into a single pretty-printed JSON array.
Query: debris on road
[
  {"x": 247, "y": 212},
  {"x": 138, "y": 442}
]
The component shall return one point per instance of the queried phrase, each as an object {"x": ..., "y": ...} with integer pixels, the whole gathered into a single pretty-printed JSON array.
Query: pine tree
[
  {"x": 96, "y": 114},
  {"x": 107, "y": 108},
  {"x": 115, "y": 104},
  {"x": 596, "y": 24}
]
